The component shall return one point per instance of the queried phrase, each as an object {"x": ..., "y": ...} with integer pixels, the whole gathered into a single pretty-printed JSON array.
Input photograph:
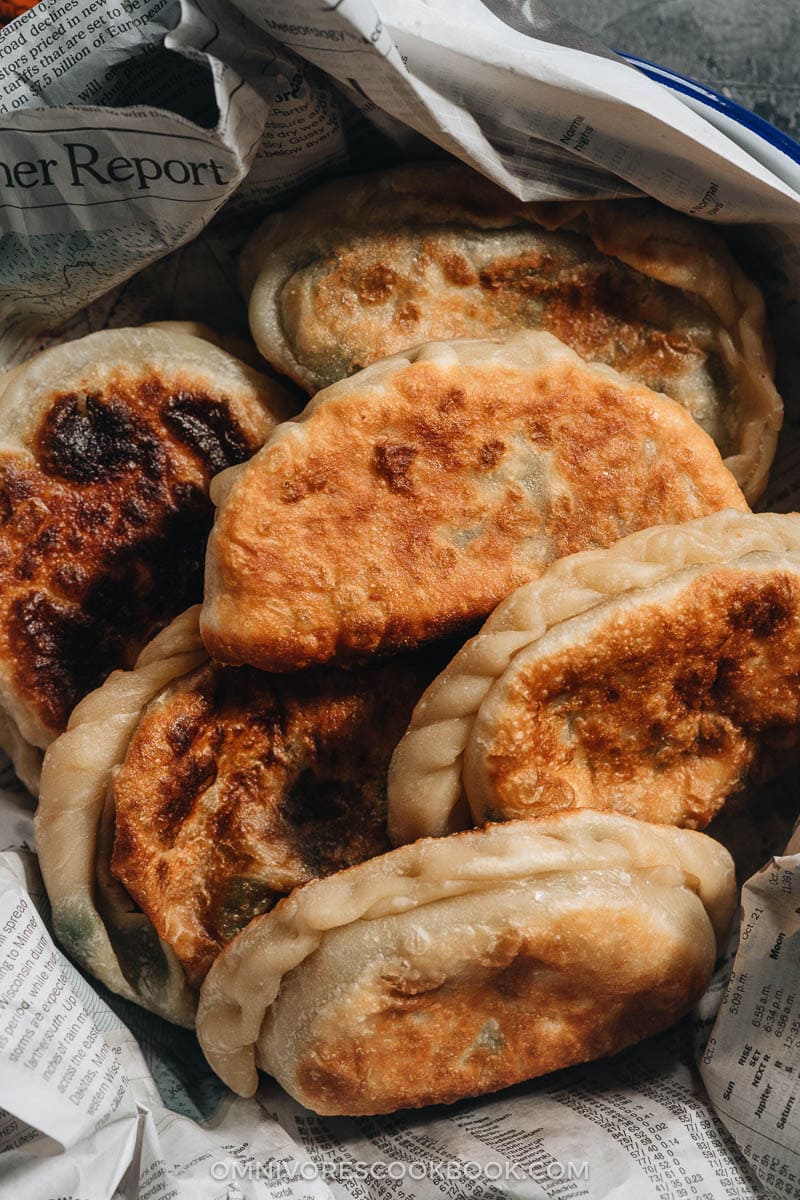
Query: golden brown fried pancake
[
  {"x": 658, "y": 706},
  {"x": 239, "y": 786},
  {"x": 209, "y": 792},
  {"x": 428, "y": 253},
  {"x": 653, "y": 678},
  {"x": 454, "y": 967},
  {"x": 407, "y": 501},
  {"x": 107, "y": 448}
]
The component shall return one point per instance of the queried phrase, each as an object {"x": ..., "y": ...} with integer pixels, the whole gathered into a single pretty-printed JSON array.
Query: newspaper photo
[{"x": 142, "y": 142}]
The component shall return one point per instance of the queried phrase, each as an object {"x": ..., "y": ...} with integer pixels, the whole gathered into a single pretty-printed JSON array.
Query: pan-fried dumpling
[
  {"x": 94, "y": 919},
  {"x": 107, "y": 448},
  {"x": 652, "y": 678},
  {"x": 429, "y": 253},
  {"x": 456, "y": 966},
  {"x": 186, "y": 797},
  {"x": 406, "y": 501}
]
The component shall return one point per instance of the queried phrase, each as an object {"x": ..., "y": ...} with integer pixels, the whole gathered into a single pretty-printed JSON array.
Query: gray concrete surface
[{"x": 749, "y": 49}]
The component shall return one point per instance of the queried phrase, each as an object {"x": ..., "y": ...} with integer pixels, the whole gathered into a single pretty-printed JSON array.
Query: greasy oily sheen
[
  {"x": 456, "y": 966},
  {"x": 239, "y": 786},
  {"x": 408, "y": 500},
  {"x": 658, "y": 707},
  {"x": 432, "y": 252},
  {"x": 185, "y": 798},
  {"x": 652, "y": 677}
]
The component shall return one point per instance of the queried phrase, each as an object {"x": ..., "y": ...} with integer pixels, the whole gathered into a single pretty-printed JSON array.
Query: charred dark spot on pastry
[
  {"x": 207, "y": 428},
  {"x": 182, "y": 731},
  {"x": 89, "y": 438},
  {"x": 725, "y": 678},
  {"x": 243, "y": 898},
  {"x": 490, "y": 453},
  {"x": 692, "y": 686},
  {"x": 180, "y": 792},
  {"x": 173, "y": 560},
  {"x": 311, "y": 798},
  {"x": 247, "y": 705},
  {"x": 90, "y": 516},
  {"x": 71, "y": 579},
  {"x": 64, "y": 646},
  {"x": 375, "y": 284},
  {"x": 26, "y": 564},
  {"x": 102, "y": 538},
  {"x": 616, "y": 292},
  {"x": 335, "y": 821},
  {"x": 57, "y": 652},
  {"x": 392, "y": 462},
  {"x": 135, "y": 511},
  {"x": 764, "y": 610}
]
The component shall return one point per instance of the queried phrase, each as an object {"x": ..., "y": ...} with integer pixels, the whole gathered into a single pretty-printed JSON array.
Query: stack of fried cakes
[{"x": 551, "y": 419}]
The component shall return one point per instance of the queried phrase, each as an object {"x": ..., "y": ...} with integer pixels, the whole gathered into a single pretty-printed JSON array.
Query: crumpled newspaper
[{"x": 127, "y": 126}]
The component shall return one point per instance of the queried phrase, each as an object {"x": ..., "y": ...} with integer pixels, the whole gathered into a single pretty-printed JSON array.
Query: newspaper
[
  {"x": 127, "y": 126},
  {"x": 751, "y": 1062}
]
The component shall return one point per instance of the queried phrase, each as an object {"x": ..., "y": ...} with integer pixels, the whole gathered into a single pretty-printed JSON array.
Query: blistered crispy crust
[
  {"x": 108, "y": 447},
  {"x": 425, "y": 253},
  {"x": 454, "y": 967},
  {"x": 202, "y": 794},
  {"x": 93, "y": 918},
  {"x": 407, "y": 501},
  {"x": 239, "y": 786},
  {"x": 649, "y": 677},
  {"x": 659, "y": 706}
]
